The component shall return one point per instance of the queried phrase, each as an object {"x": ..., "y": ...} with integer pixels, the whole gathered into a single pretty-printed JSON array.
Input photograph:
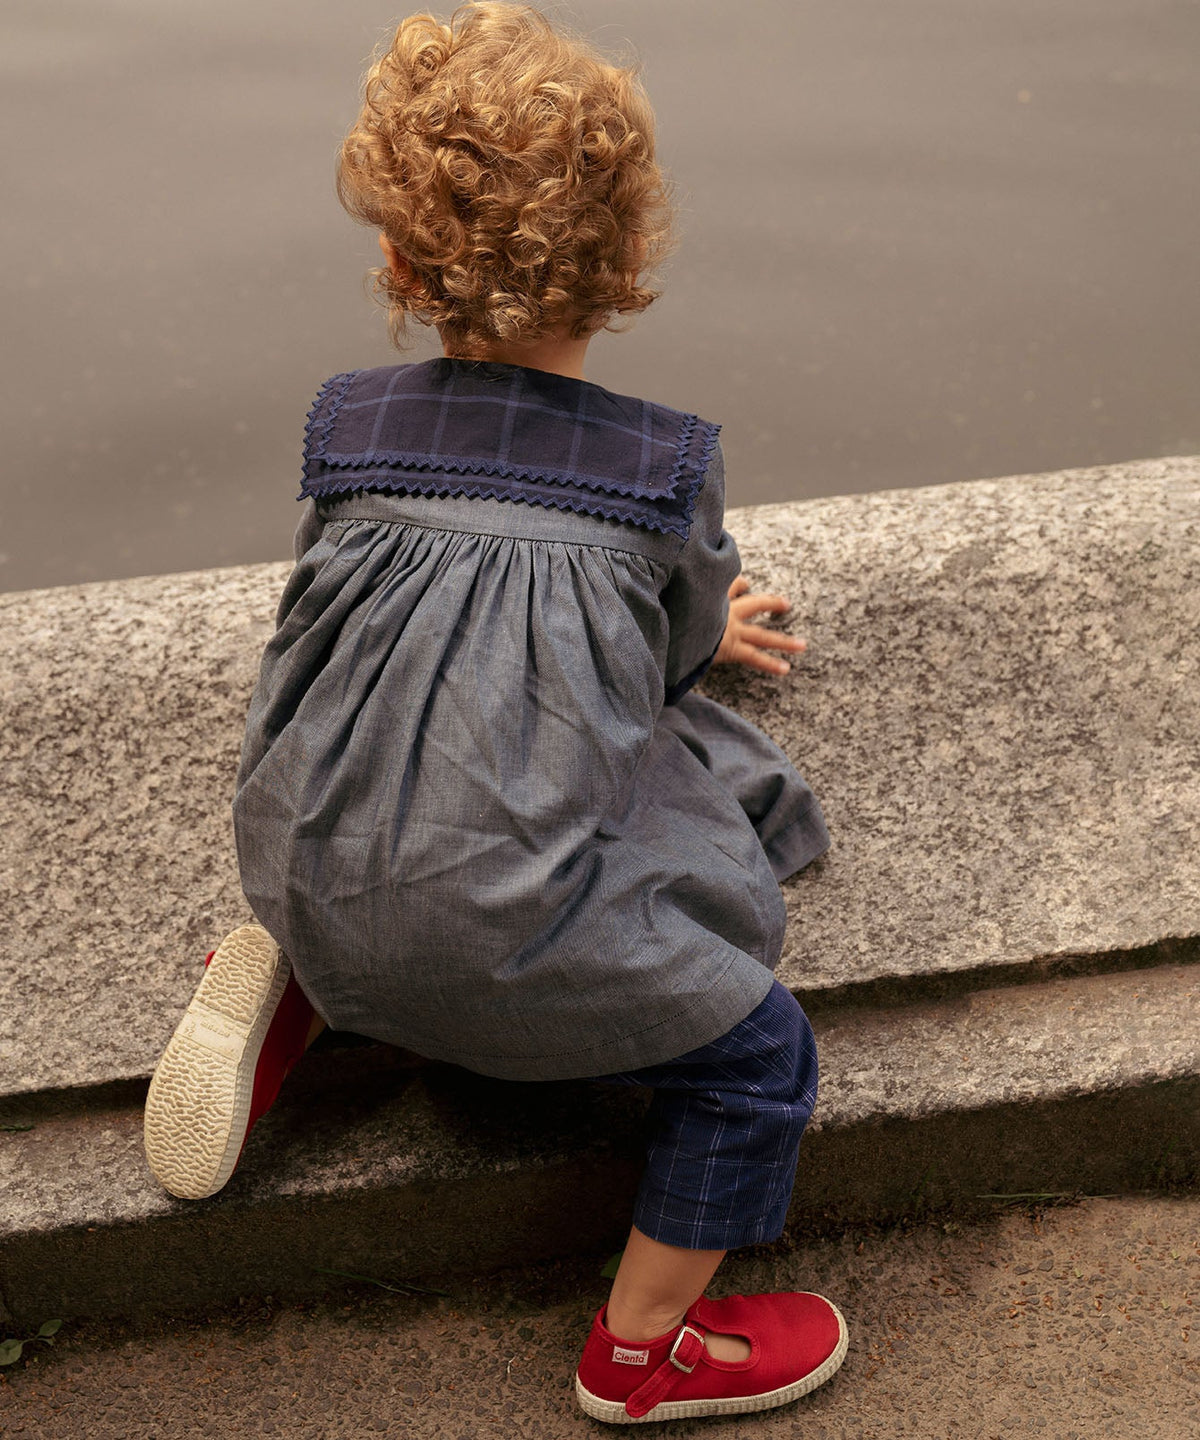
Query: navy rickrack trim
[
  {"x": 578, "y": 501},
  {"x": 324, "y": 411},
  {"x": 707, "y": 436},
  {"x": 498, "y": 469}
]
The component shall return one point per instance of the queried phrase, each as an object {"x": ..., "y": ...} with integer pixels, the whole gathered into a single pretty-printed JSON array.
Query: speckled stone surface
[
  {"x": 1074, "y": 1323},
  {"x": 121, "y": 714},
  {"x": 997, "y": 709}
]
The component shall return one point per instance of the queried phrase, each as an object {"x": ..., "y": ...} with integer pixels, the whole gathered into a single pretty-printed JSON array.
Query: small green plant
[
  {"x": 611, "y": 1265},
  {"x": 10, "y": 1349}
]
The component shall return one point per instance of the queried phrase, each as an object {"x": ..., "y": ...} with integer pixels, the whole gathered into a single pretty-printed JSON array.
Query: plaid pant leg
[{"x": 726, "y": 1122}]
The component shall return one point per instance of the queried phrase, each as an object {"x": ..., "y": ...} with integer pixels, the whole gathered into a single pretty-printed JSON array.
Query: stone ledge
[
  {"x": 369, "y": 1164},
  {"x": 996, "y": 708}
]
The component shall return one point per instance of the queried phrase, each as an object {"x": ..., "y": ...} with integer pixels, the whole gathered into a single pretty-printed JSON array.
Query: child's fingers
[
  {"x": 770, "y": 639},
  {"x": 743, "y": 605},
  {"x": 755, "y": 659},
  {"x": 739, "y": 587}
]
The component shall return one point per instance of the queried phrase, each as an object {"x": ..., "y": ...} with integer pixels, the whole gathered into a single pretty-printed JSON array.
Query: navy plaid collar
[{"x": 463, "y": 427}]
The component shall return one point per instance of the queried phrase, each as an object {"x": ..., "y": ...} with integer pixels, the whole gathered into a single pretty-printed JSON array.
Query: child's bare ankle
[{"x": 638, "y": 1326}]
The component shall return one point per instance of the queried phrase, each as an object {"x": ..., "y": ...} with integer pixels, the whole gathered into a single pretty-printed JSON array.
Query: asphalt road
[
  {"x": 1074, "y": 1323},
  {"x": 924, "y": 242}
]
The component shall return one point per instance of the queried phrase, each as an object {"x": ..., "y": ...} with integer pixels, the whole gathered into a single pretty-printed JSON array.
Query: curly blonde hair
[{"x": 513, "y": 168}]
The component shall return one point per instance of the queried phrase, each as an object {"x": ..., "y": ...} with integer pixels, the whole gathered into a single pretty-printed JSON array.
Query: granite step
[{"x": 375, "y": 1165}]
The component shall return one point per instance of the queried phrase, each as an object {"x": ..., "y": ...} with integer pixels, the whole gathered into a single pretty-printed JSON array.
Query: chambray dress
[{"x": 477, "y": 804}]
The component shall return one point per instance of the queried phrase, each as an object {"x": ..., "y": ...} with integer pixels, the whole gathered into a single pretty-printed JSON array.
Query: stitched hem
[
  {"x": 797, "y": 846},
  {"x": 711, "y": 1235},
  {"x": 580, "y": 1068},
  {"x": 681, "y": 687},
  {"x": 425, "y": 461},
  {"x": 567, "y": 500}
]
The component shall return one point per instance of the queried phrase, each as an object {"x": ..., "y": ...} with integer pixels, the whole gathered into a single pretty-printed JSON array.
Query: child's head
[{"x": 513, "y": 169}]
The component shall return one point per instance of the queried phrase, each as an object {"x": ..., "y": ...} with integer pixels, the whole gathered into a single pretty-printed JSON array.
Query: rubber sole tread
[{"x": 198, "y": 1104}]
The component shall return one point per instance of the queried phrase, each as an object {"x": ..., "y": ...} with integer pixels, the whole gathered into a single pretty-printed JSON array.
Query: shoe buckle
[{"x": 673, "y": 1357}]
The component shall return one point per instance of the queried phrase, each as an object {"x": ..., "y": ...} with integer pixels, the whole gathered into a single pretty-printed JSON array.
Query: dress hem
[
  {"x": 797, "y": 846},
  {"x": 740, "y": 999}
]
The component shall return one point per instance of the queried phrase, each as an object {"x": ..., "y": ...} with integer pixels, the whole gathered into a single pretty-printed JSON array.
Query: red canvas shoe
[
  {"x": 246, "y": 1027},
  {"x": 797, "y": 1341}
]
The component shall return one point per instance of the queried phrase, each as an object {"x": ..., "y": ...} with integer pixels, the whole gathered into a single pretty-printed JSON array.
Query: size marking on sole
[{"x": 214, "y": 1032}]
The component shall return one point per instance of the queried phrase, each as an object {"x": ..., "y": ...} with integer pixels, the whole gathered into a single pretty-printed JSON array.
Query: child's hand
[{"x": 744, "y": 643}]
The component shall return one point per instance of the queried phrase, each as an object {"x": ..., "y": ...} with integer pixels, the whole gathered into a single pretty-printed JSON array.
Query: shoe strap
[{"x": 686, "y": 1354}]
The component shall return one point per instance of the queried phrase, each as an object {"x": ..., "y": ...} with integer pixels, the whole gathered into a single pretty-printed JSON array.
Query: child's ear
[{"x": 396, "y": 263}]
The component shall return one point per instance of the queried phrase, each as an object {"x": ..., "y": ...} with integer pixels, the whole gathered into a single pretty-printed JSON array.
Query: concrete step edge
[
  {"x": 1088, "y": 1081},
  {"x": 821, "y": 1002}
]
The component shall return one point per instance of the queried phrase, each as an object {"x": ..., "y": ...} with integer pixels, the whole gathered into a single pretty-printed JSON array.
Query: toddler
[{"x": 480, "y": 811}]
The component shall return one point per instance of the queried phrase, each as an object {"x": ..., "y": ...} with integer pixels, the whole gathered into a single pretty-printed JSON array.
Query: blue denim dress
[{"x": 478, "y": 805}]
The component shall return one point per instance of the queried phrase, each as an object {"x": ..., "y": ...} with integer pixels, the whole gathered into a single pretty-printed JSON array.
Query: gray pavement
[
  {"x": 920, "y": 243},
  {"x": 1072, "y": 1322}
]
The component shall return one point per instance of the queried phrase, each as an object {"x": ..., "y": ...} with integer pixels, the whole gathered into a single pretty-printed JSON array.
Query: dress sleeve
[
  {"x": 309, "y": 530},
  {"x": 696, "y": 597}
]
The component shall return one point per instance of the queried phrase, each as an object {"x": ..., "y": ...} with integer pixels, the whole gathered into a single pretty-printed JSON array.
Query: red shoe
[
  {"x": 797, "y": 1341},
  {"x": 246, "y": 1027}
]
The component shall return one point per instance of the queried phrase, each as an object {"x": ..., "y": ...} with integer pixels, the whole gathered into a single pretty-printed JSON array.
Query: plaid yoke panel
[{"x": 726, "y": 1122}]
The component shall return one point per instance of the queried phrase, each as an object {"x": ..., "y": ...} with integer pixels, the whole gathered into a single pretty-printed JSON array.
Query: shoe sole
[
  {"x": 613, "y": 1412},
  {"x": 198, "y": 1104}
]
